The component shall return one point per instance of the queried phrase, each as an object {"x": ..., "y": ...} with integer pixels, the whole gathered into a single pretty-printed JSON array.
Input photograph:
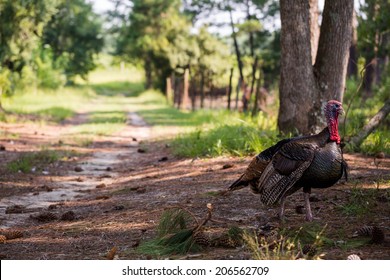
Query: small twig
[
  {"x": 186, "y": 210},
  {"x": 210, "y": 209},
  {"x": 334, "y": 203}
]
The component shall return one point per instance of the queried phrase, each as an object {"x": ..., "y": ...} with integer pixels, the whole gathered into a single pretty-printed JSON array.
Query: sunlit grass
[
  {"x": 54, "y": 105},
  {"x": 103, "y": 129},
  {"x": 29, "y": 162}
]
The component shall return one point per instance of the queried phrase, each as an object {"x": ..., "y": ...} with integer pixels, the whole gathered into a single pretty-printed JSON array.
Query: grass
[
  {"x": 26, "y": 163},
  {"x": 360, "y": 202},
  {"x": 238, "y": 139},
  {"x": 46, "y": 104}
]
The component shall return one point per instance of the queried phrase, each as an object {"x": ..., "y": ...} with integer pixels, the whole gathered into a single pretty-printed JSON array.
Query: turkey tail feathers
[{"x": 238, "y": 184}]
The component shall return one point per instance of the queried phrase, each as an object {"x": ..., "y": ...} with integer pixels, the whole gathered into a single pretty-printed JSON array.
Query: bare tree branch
[{"x": 375, "y": 121}]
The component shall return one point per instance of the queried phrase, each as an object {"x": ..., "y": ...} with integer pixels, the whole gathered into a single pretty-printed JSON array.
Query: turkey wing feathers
[{"x": 284, "y": 171}]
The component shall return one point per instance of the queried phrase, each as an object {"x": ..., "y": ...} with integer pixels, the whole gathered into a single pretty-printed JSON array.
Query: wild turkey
[{"x": 306, "y": 162}]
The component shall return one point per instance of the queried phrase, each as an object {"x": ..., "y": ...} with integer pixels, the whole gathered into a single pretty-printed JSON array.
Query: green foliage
[
  {"x": 74, "y": 35},
  {"x": 372, "y": 28},
  {"x": 21, "y": 24},
  {"x": 213, "y": 61},
  {"x": 49, "y": 75},
  {"x": 164, "y": 44},
  {"x": 148, "y": 33}
]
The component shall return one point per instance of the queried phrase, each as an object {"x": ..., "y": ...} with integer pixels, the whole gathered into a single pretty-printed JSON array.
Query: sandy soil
[{"x": 112, "y": 193}]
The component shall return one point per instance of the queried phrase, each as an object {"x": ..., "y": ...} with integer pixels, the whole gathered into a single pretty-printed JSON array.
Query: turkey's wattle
[{"x": 306, "y": 162}]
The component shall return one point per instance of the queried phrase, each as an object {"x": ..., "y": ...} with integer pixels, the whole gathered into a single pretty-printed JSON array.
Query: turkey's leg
[
  {"x": 282, "y": 206},
  {"x": 309, "y": 215}
]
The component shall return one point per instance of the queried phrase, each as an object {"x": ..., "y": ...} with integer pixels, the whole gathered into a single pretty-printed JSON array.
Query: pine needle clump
[{"x": 175, "y": 234}]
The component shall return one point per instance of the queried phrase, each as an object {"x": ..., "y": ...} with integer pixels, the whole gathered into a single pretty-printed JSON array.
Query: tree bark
[
  {"x": 184, "y": 103},
  {"x": 305, "y": 88},
  {"x": 297, "y": 82},
  {"x": 236, "y": 48},
  {"x": 314, "y": 29},
  {"x": 358, "y": 139},
  {"x": 352, "y": 69},
  {"x": 241, "y": 82},
  {"x": 169, "y": 94},
  {"x": 237, "y": 93},
  {"x": 333, "y": 50},
  {"x": 257, "y": 97},
  {"x": 254, "y": 70},
  {"x": 202, "y": 89},
  {"x": 148, "y": 73},
  {"x": 230, "y": 89}
]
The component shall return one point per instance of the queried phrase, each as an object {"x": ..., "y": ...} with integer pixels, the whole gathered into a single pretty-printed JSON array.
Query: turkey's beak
[{"x": 341, "y": 111}]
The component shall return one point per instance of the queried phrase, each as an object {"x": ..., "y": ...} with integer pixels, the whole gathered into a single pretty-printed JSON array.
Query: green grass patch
[
  {"x": 234, "y": 137},
  {"x": 360, "y": 202},
  {"x": 48, "y": 105},
  {"x": 56, "y": 114},
  {"x": 115, "y": 88},
  {"x": 107, "y": 117},
  {"x": 96, "y": 129},
  {"x": 38, "y": 160}
]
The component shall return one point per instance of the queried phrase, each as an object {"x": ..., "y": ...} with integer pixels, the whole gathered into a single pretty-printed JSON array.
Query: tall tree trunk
[
  {"x": 305, "y": 88},
  {"x": 254, "y": 70},
  {"x": 371, "y": 58},
  {"x": 254, "y": 57},
  {"x": 230, "y": 89},
  {"x": 202, "y": 89},
  {"x": 333, "y": 50},
  {"x": 237, "y": 93},
  {"x": 314, "y": 29},
  {"x": 193, "y": 96},
  {"x": 236, "y": 48},
  {"x": 257, "y": 97},
  {"x": 297, "y": 82},
  {"x": 352, "y": 69},
  {"x": 148, "y": 73},
  {"x": 169, "y": 94},
  {"x": 184, "y": 103},
  {"x": 241, "y": 82}
]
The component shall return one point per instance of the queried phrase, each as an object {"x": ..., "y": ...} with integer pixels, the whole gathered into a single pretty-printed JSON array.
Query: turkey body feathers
[
  {"x": 310, "y": 162},
  {"x": 314, "y": 161},
  {"x": 301, "y": 162}
]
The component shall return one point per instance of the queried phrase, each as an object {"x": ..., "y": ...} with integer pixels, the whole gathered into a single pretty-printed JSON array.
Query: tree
[
  {"x": 148, "y": 35},
  {"x": 21, "y": 24},
  {"x": 74, "y": 33},
  {"x": 304, "y": 87},
  {"x": 374, "y": 40}
]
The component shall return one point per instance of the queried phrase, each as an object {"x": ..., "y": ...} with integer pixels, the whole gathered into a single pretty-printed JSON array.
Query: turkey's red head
[{"x": 333, "y": 109}]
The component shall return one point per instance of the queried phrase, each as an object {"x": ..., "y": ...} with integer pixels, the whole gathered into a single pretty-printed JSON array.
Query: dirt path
[
  {"x": 128, "y": 179},
  {"x": 91, "y": 173}
]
